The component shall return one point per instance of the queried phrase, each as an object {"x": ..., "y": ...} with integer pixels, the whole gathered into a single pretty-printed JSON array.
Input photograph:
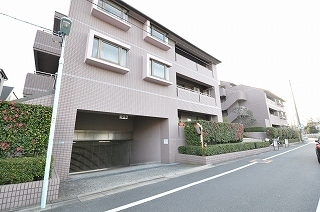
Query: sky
[{"x": 260, "y": 43}]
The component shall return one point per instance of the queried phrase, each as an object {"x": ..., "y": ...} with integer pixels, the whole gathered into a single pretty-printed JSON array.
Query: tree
[
  {"x": 311, "y": 127},
  {"x": 244, "y": 116}
]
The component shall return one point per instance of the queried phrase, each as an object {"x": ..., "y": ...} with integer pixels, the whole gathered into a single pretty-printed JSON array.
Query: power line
[
  {"x": 51, "y": 31},
  {"x": 46, "y": 29}
]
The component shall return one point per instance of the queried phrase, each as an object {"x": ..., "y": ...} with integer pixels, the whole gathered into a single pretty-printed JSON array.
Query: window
[
  {"x": 111, "y": 13},
  {"x": 159, "y": 69},
  {"x": 107, "y": 53},
  {"x": 156, "y": 70},
  {"x": 113, "y": 9},
  {"x": 155, "y": 36},
  {"x": 158, "y": 34}
]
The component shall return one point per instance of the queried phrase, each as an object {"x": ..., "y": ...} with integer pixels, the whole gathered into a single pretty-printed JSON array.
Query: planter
[
  {"x": 25, "y": 194},
  {"x": 215, "y": 159}
]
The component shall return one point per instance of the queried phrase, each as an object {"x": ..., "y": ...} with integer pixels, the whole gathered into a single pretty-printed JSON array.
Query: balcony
[
  {"x": 274, "y": 105},
  {"x": 194, "y": 96},
  {"x": 38, "y": 83},
  {"x": 276, "y": 120},
  {"x": 192, "y": 70},
  {"x": 47, "y": 50}
]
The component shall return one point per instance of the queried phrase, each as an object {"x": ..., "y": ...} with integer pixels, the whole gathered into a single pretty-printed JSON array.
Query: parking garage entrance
[
  {"x": 88, "y": 155},
  {"x": 105, "y": 140}
]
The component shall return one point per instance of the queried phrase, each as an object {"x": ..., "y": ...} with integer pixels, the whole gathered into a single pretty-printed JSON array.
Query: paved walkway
[{"x": 82, "y": 187}]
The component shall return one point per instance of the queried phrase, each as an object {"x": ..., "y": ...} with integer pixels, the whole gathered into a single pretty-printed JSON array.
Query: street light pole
[
  {"x": 65, "y": 26},
  {"x": 298, "y": 119}
]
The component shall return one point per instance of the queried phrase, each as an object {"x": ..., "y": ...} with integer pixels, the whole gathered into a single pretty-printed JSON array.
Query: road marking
[
  {"x": 193, "y": 184},
  {"x": 318, "y": 207},
  {"x": 177, "y": 189},
  {"x": 261, "y": 161},
  {"x": 285, "y": 152}
]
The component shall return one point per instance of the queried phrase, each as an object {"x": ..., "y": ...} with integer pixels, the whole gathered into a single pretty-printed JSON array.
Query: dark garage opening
[{"x": 94, "y": 155}]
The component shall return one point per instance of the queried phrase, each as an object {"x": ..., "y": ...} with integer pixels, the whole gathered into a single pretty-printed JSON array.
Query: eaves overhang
[{"x": 178, "y": 39}]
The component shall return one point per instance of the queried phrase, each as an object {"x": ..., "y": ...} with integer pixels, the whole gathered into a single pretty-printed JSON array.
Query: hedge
[
  {"x": 24, "y": 129},
  {"x": 213, "y": 132},
  {"x": 22, "y": 169},
  {"x": 282, "y": 133},
  {"x": 255, "y": 129},
  {"x": 221, "y": 148}
]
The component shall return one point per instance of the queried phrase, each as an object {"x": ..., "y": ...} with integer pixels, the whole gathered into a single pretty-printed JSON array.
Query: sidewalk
[{"x": 86, "y": 186}]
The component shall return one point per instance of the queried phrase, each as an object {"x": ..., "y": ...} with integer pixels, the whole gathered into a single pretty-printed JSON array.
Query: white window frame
[
  {"x": 89, "y": 59},
  {"x": 148, "y": 37},
  {"x": 147, "y": 72},
  {"x": 157, "y": 30},
  {"x": 102, "y": 4},
  {"x": 110, "y": 18}
]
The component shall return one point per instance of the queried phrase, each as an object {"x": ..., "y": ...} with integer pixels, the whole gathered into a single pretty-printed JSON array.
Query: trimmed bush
[
  {"x": 21, "y": 170},
  {"x": 255, "y": 129},
  {"x": 282, "y": 133},
  {"x": 221, "y": 148},
  {"x": 213, "y": 132},
  {"x": 24, "y": 129}
]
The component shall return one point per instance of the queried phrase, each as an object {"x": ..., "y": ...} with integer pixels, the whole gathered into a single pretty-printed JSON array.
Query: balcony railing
[
  {"x": 195, "y": 96},
  {"x": 189, "y": 64},
  {"x": 277, "y": 120}
]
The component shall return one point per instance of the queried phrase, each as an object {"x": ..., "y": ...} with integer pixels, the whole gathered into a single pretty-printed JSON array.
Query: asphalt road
[{"x": 282, "y": 180}]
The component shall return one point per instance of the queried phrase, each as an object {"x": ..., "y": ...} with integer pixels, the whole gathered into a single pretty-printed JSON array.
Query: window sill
[
  {"x": 106, "y": 65},
  {"x": 98, "y": 13},
  {"x": 148, "y": 38},
  {"x": 157, "y": 80}
]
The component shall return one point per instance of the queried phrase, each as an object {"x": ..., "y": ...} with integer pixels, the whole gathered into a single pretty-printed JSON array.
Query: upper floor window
[
  {"x": 159, "y": 69},
  {"x": 111, "y": 13},
  {"x": 106, "y": 52},
  {"x": 159, "y": 34},
  {"x": 109, "y": 52},
  {"x": 156, "y": 70},
  {"x": 155, "y": 36},
  {"x": 113, "y": 9}
]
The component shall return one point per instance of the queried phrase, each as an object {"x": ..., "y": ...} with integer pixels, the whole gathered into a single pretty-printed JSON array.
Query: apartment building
[
  {"x": 3, "y": 77},
  {"x": 127, "y": 82},
  {"x": 267, "y": 108}
]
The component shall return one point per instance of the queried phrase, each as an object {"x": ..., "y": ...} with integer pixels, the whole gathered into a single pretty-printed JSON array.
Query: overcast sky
[{"x": 261, "y": 43}]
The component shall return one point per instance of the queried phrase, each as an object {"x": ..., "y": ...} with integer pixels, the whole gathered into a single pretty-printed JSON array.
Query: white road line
[
  {"x": 285, "y": 152},
  {"x": 318, "y": 207},
  {"x": 193, "y": 184}
]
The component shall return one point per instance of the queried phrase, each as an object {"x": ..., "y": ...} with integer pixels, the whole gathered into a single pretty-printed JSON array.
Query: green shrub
[
  {"x": 213, "y": 132},
  {"x": 255, "y": 129},
  {"x": 221, "y": 148},
  {"x": 282, "y": 133},
  {"x": 22, "y": 169},
  {"x": 24, "y": 129}
]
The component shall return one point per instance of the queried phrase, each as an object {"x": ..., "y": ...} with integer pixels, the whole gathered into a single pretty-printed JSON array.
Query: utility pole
[{"x": 298, "y": 119}]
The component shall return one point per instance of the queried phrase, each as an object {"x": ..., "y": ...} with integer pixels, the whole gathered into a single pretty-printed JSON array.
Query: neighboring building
[
  {"x": 3, "y": 77},
  {"x": 7, "y": 94},
  {"x": 267, "y": 108},
  {"x": 127, "y": 82}
]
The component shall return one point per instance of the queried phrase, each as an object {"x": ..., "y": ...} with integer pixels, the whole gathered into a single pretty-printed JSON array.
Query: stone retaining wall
[
  {"x": 215, "y": 159},
  {"x": 24, "y": 194}
]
